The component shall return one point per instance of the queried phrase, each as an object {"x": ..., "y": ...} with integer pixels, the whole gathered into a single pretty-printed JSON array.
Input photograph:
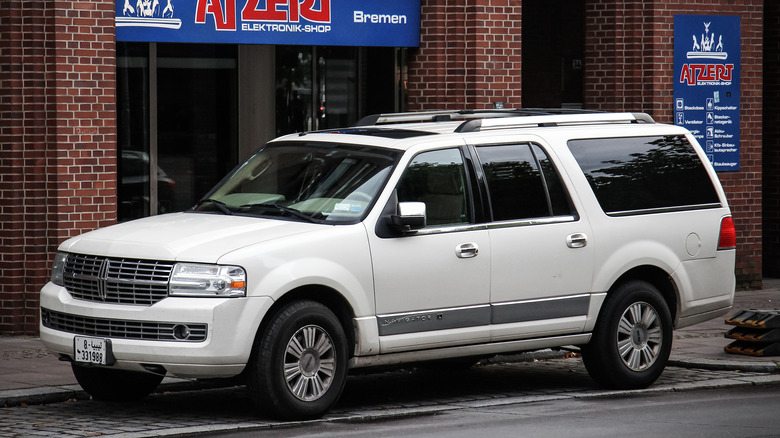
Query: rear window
[{"x": 635, "y": 174}]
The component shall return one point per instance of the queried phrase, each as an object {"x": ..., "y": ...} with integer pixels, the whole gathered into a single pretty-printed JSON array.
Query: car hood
[{"x": 194, "y": 237}]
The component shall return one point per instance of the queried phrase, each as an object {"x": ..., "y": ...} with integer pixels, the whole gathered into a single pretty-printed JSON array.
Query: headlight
[
  {"x": 58, "y": 268},
  {"x": 196, "y": 280}
]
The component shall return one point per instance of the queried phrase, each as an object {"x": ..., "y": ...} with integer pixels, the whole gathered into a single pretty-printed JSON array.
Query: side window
[
  {"x": 437, "y": 178},
  {"x": 559, "y": 199},
  {"x": 632, "y": 174},
  {"x": 522, "y": 182}
]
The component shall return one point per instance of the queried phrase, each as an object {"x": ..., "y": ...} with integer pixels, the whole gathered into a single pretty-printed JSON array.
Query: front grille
[
  {"x": 123, "y": 329},
  {"x": 115, "y": 280}
]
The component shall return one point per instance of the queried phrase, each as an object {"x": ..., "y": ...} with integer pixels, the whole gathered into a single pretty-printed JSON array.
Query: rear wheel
[
  {"x": 299, "y": 368},
  {"x": 632, "y": 339},
  {"x": 115, "y": 385}
]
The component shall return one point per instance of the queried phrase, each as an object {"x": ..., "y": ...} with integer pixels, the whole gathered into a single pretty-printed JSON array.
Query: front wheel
[
  {"x": 299, "y": 367},
  {"x": 115, "y": 385},
  {"x": 632, "y": 339}
]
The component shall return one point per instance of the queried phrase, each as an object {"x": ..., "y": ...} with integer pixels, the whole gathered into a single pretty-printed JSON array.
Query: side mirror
[
  {"x": 410, "y": 217},
  {"x": 400, "y": 218}
]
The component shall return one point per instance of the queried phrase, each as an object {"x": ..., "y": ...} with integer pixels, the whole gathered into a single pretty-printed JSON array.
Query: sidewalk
[
  {"x": 701, "y": 345},
  {"x": 30, "y": 374}
]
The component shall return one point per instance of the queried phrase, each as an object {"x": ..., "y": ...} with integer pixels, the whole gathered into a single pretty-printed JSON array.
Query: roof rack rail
[
  {"x": 553, "y": 120},
  {"x": 456, "y": 115}
]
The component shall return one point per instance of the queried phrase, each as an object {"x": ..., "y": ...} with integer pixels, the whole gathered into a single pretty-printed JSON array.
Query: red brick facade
[
  {"x": 57, "y": 140},
  {"x": 469, "y": 55}
]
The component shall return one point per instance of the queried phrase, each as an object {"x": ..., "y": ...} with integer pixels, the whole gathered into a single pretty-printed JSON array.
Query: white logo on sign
[
  {"x": 147, "y": 13},
  {"x": 703, "y": 48}
]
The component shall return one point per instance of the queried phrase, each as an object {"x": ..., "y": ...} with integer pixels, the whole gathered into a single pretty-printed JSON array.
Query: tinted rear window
[{"x": 644, "y": 173}]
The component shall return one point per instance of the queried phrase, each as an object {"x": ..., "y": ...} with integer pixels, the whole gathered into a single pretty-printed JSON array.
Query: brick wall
[
  {"x": 469, "y": 55},
  {"x": 629, "y": 59},
  {"x": 57, "y": 140}
]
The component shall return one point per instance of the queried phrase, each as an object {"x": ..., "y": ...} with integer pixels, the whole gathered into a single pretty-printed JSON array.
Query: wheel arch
[
  {"x": 322, "y": 294},
  {"x": 656, "y": 276}
]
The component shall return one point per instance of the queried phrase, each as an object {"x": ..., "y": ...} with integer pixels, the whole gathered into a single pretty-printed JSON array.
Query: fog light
[{"x": 181, "y": 332}]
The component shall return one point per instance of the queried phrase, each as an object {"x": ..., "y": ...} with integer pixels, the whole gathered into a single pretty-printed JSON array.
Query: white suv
[{"x": 411, "y": 237}]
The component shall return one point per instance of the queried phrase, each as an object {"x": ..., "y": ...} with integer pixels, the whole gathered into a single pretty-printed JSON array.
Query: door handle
[
  {"x": 577, "y": 240},
  {"x": 467, "y": 250}
]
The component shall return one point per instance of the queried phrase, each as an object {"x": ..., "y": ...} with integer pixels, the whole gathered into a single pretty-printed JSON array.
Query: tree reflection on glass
[{"x": 643, "y": 173}]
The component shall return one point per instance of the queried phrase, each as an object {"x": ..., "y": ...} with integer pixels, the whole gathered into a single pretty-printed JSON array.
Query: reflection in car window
[
  {"x": 522, "y": 182},
  {"x": 641, "y": 173},
  {"x": 321, "y": 181},
  {"x": 560, "y": 203},
  {"x": 437, "y": 178}
]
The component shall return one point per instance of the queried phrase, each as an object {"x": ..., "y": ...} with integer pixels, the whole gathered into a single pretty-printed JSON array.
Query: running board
[{"x": 468, "y": 350}]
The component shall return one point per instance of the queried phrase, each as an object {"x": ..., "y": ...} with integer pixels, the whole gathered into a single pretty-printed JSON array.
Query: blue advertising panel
[
  {"x": 301, "y": 22},
  {"x": 706, "y": 84}
]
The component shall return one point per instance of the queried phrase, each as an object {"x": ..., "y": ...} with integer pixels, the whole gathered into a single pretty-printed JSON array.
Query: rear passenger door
[{"x": 541, "y": 248}]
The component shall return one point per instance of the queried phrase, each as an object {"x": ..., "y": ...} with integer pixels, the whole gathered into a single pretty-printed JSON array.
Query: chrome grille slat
[
  {"x": 124, "y": 281},
  {"x": 119, "y": 329}
]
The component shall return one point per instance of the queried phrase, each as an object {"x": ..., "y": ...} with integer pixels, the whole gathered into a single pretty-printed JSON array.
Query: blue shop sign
[
  {"x": 706, "y": 84},
  {"x": 300, "y": 22}
]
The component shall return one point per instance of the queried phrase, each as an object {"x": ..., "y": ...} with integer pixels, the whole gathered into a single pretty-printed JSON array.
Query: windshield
[{"x": 319, "y": 182}]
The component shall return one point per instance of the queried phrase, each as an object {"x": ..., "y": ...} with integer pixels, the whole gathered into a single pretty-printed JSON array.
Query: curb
[
  {"x": 57, "y": 394},
  {"x": 720, "y": 365},
  {"x": 41, "y": 396}
]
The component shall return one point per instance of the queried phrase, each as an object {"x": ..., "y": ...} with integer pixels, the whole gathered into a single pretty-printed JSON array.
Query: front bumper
[{"x": 230, "y": 325}]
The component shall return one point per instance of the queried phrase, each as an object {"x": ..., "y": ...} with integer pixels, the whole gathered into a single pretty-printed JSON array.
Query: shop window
[{"x": 178, "y": 115}]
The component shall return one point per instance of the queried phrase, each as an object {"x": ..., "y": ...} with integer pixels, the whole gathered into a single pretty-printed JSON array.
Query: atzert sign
[
  {"x": 707, "y": 84},
  {"x": 303, "y": 22}
]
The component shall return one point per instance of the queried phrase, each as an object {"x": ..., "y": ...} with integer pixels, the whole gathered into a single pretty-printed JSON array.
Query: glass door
[
  {"x": 197, "y": 133},
  {"x": 316, "y": 88}
]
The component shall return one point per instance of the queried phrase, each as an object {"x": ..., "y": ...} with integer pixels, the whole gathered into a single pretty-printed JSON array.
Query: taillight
[{"x": 728, "y": 234}]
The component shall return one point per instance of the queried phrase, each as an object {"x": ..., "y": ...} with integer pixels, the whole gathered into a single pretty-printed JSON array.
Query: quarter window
[
  {"x": 635, "y": 174},
  {"x": 437, "y": 178},
  {"x": 522, "y": 182}
]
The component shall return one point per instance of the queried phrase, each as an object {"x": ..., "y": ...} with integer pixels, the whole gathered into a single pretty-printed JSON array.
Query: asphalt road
[{"x": 712, "y": 413}]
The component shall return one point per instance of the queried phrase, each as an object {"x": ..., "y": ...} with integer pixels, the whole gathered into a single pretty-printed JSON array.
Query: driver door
[{"x": 432, "y": 287}]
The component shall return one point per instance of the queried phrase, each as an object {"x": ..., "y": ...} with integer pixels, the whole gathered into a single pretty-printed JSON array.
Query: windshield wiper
[
  {"x": 291, "y": 211},
  {"x": 221, "y": 206}
]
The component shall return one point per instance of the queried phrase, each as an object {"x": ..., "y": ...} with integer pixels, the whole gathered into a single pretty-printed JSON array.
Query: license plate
[{"x": 93, "y": 350}]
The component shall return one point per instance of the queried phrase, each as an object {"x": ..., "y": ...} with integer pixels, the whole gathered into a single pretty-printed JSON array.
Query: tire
[
  {"x": 632, "y": 338},
  {"x": 299, "y": 367},
  {"x": 115, "y": 385}
]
